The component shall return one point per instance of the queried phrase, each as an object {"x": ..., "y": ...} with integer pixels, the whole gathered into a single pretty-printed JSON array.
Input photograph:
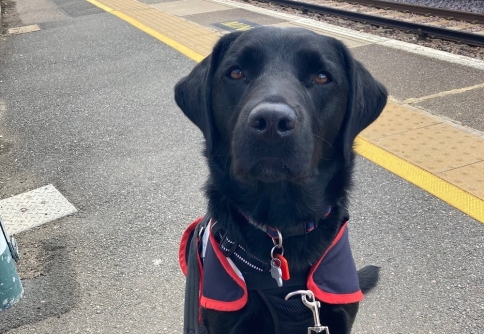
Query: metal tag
[{"x": 276, "y": 271}]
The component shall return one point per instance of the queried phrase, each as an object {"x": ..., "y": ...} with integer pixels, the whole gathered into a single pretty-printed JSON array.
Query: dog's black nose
[{"x": 272, "y": 121}]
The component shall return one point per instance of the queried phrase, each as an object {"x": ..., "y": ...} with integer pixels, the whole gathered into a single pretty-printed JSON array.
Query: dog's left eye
[
  {"x": 236, "y": 74},
  {"x": 321, "y": 79}
]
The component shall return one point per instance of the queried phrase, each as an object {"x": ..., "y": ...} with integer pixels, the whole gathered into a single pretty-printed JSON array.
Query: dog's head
[{"x": 278, "y": 103}]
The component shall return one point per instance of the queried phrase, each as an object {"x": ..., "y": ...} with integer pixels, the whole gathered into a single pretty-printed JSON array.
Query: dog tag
[
  {"x": 284, "y": 267},
  {"x": 276, "y": 271}
]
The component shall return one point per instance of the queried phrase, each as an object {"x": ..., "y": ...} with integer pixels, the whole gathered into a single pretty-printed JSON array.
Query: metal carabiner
[{"x": 314, "y": 306}]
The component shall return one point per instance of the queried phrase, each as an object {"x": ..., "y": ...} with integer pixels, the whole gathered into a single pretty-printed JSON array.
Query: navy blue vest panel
[
  {"x": 333, "y": 279},
  {"x": 217, "y": 283},
  {"x": 335, "y": 275}
]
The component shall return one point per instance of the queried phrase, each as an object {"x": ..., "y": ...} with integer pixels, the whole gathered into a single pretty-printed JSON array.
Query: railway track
[
  {"x": 423, "y": 10},
  {"x": 457, "y": 26}
]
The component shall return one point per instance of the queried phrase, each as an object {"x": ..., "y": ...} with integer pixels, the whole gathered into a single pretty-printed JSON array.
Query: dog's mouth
[{"x": 271, "y": 170}]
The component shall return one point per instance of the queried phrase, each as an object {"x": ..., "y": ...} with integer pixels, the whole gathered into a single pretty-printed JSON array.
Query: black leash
[{"x": 191, "y": 324}]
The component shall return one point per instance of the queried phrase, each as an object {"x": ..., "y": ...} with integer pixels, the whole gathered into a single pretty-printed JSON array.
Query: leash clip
[{"x": 314, "y": 306}]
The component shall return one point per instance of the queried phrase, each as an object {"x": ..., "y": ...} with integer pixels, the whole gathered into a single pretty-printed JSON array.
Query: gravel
[{"x": 475, "y": 6}]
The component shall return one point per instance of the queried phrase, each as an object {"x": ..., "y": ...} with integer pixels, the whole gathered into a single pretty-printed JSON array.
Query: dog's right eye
[
  {"x": 321, "y": 79},
  {"x": 236, "y": 74}
]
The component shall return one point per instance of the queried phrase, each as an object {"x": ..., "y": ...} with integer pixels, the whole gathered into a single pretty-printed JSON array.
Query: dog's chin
[{"x": 270, "y": 170}]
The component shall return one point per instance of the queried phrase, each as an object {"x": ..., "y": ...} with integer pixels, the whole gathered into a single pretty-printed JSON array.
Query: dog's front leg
[{"x": 338, "y": 318}]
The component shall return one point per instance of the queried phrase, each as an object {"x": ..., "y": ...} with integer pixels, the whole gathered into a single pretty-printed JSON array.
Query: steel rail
[
  {"x": 420, "y": 29},
  {"x": 424, "y": 10}
]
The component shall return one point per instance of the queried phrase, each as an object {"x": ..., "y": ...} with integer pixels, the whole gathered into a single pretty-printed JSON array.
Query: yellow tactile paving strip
[
  {"x": 192, "y": 35},
  {"x": 436, "y": 156},
  {"x": 424, "y": 141}
]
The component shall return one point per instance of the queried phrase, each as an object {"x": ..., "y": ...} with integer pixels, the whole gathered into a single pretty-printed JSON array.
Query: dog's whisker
[{"x": 324, "y": 139}]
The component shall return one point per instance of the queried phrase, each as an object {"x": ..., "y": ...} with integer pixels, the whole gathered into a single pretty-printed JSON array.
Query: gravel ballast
[{"x": 474, "y": 6}]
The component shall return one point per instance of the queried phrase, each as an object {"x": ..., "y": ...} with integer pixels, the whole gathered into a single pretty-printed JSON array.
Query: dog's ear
[
  {"x": 193, "y": 93},
  {"x": 367, "y": 98}
]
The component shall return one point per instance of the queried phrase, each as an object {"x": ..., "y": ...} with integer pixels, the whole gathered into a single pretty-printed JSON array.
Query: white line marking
[{"x": 442, "y": 94}]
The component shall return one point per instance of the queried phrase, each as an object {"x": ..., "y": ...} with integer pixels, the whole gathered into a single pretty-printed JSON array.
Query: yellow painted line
[
  {"x": 449, "y": 193},
  {"x": 167, "y": 40}
]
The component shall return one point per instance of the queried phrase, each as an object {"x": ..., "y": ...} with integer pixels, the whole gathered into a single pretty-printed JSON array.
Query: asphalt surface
[{"x": 89, "y": 108}]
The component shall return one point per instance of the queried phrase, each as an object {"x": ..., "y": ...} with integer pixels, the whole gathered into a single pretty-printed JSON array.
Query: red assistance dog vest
[{"x": 333, "y": 279}]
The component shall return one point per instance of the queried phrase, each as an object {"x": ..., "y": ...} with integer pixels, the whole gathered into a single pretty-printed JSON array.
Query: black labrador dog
[{"x": 279, "y": 110}]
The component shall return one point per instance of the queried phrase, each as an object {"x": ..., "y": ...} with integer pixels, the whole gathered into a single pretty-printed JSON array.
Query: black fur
[{"x": 279, "y": 148}]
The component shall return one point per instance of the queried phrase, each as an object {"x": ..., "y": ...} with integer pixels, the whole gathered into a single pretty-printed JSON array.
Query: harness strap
[
  {"x": 238, "y": 254},
  {"x": 273, "y": 312},
  {"x": 191, "y": 322}
]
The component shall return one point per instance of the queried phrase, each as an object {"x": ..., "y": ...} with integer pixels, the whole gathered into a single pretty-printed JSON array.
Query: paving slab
[
  {"x": 190, "y": 7},
  {"x": 436, "y": 148},
  {"x": 77, "y": 8},
  {"x": 208, "y": 19},
  {"x": 470, "y": 178},
  {"x": 408, "y": 75},
  {"x": 152, "y": 2},
  {"x": 396, "y": 119},
  {"x": 349, "y": 42},
  {"x": 23, "y": 29},
  {"x": 33, "y": 208},
  {"x": 38, "y": 11},
  {"x": 466, "y": 108}
]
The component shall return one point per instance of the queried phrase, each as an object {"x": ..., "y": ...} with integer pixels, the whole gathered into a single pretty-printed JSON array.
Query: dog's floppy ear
[
  {"x": 193, "y": 93},
  {"x": 366, "y": 101}
]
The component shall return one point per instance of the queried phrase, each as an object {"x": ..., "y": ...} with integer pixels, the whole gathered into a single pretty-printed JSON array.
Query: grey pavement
[
  {"x": 408, "y": 75},
  {"x": 89, "y": 108}
]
